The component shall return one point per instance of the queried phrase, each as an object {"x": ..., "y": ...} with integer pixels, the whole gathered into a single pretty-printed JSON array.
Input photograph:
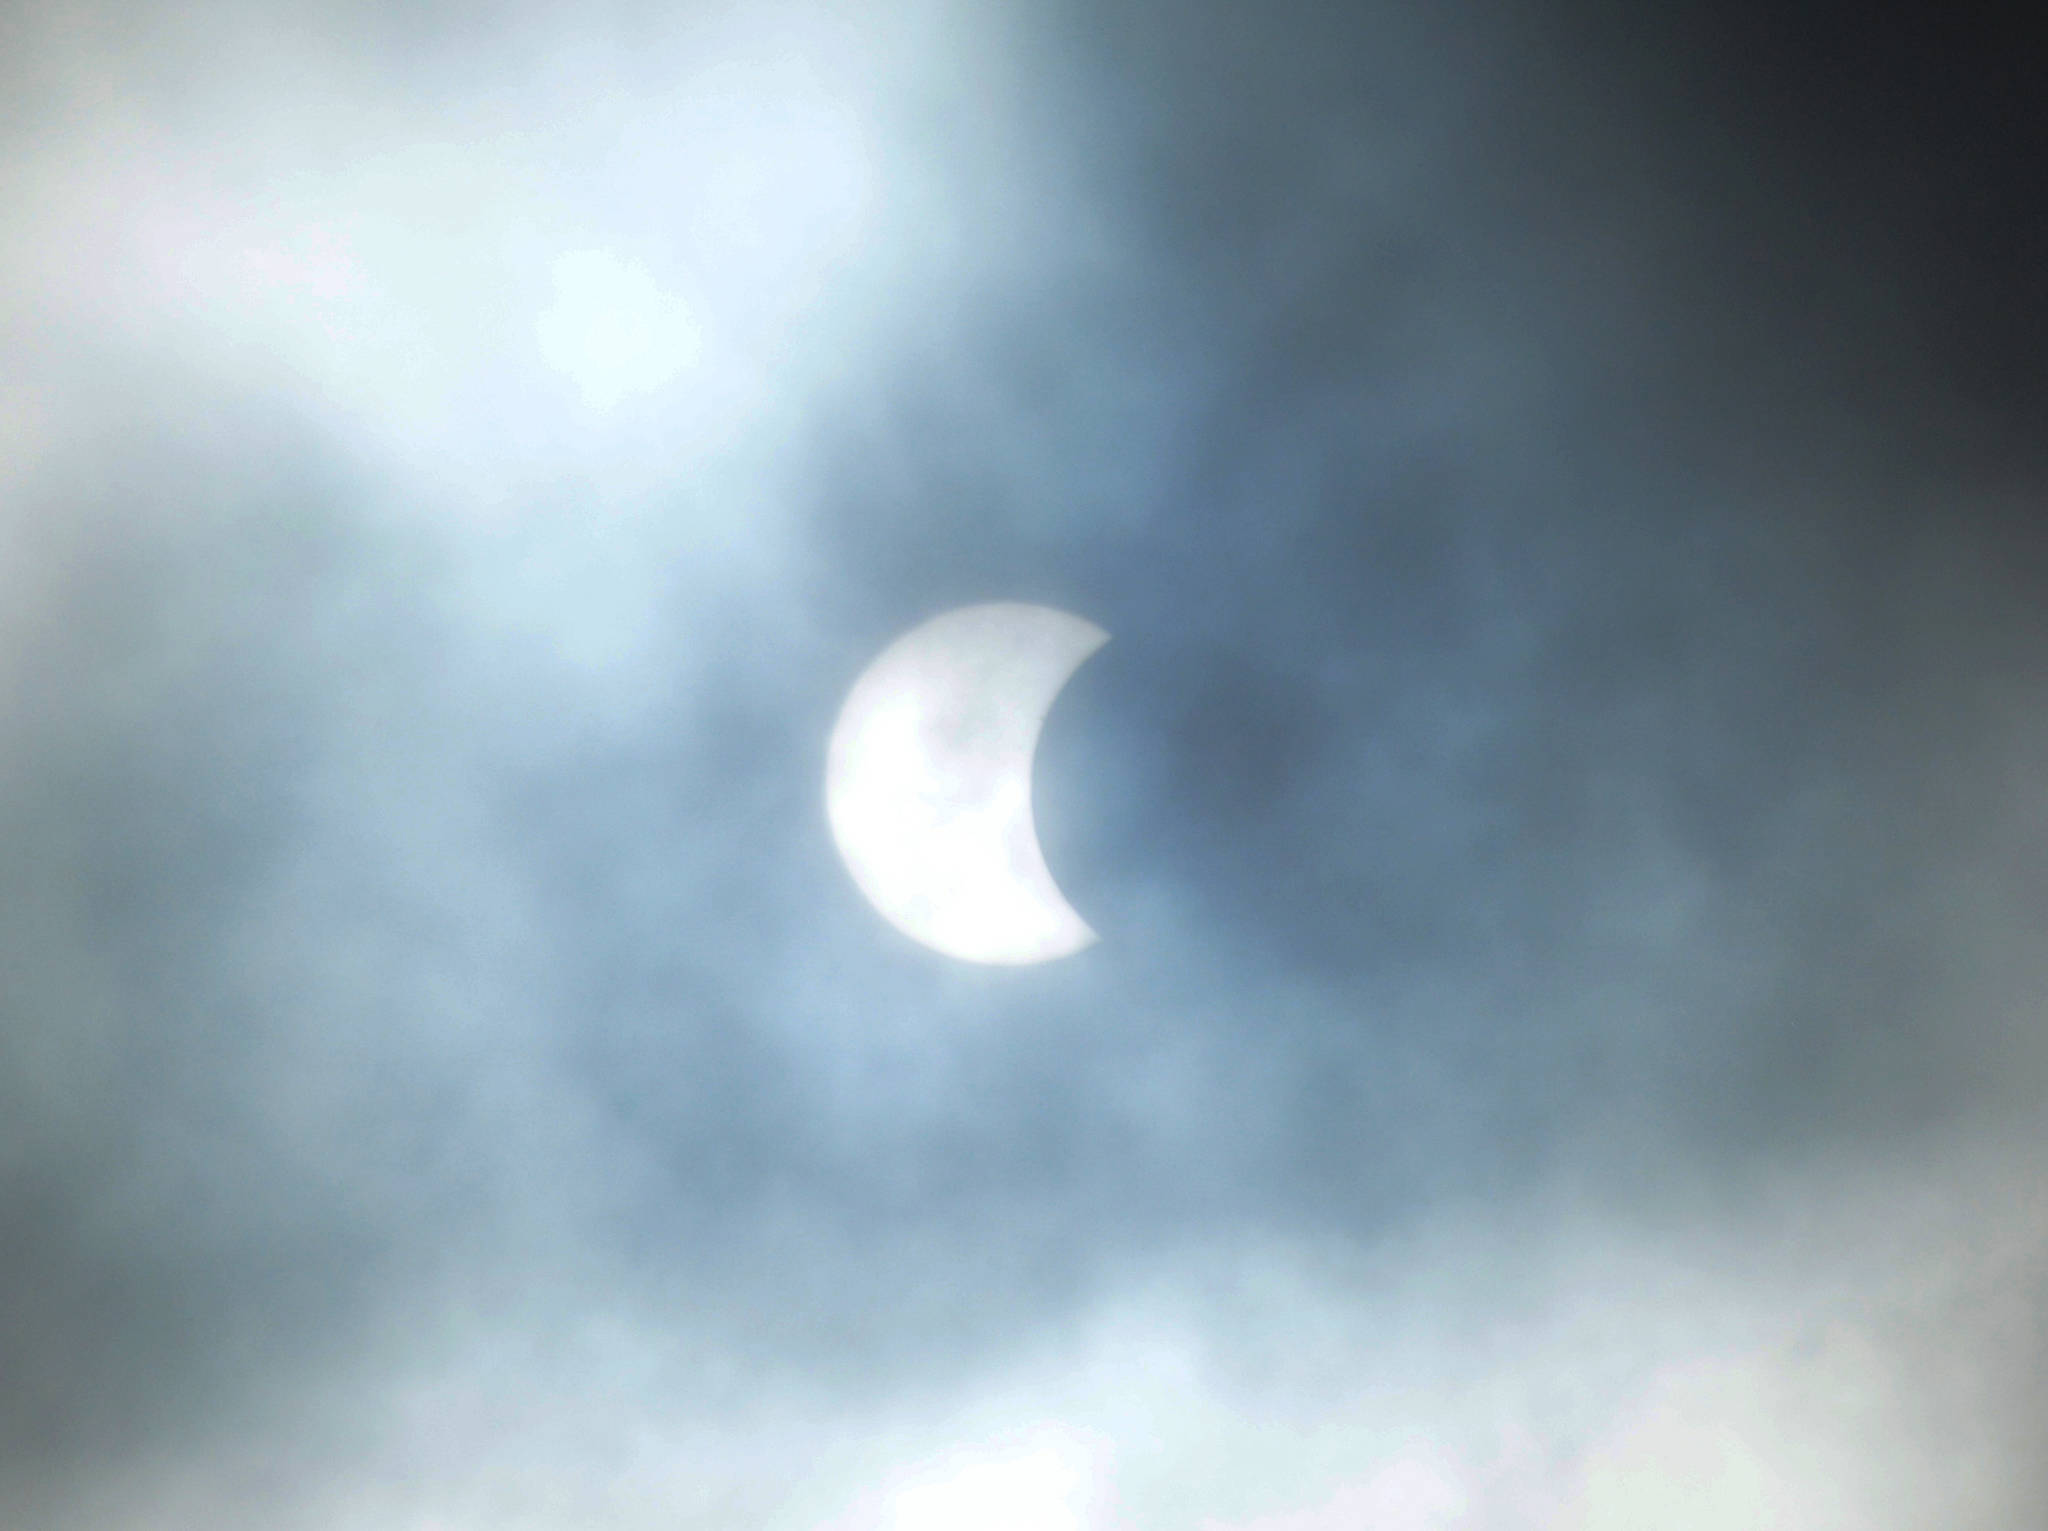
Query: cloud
[
  {"x": 611, "y": 331},
  {"x": 1861, "y": 1356},
  {"x": 1561, "y": 802}
]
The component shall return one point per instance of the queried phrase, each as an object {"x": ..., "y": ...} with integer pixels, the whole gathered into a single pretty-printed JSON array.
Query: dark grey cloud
[{"x": 1560, "y": 800}]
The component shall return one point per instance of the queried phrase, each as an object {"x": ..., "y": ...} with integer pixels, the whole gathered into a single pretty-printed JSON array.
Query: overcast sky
[{"x": 1562, "y": 802}]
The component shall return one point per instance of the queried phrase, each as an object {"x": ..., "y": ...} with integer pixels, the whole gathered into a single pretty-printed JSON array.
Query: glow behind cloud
[
  {"x": 611, "y": 331},
  {"x": 1563, "y": 802}
]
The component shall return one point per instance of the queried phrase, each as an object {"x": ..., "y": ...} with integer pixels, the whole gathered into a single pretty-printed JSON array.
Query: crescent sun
[{"x": 928, "y": 781}]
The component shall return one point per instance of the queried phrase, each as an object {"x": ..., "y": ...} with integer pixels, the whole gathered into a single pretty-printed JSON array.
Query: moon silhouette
[{"x": 928, "y": 781}]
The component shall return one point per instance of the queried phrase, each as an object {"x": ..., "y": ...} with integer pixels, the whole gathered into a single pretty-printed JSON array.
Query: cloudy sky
[{"x": 1563, "y": 802}]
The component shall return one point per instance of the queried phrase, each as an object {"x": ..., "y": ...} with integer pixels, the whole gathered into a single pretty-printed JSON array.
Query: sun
[{"x": 928, "y": 781}]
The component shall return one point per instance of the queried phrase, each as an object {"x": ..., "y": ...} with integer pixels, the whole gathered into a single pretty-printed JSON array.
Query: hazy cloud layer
[{"x": 1562, "y": 801}]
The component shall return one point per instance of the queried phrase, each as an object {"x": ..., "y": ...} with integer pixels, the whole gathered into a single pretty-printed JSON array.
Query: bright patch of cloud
[
  {"x": 1039, "y": 1491},
  {"x": 612, "y": 330}
]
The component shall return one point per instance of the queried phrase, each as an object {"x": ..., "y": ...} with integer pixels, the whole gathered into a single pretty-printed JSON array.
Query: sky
[{"x": 1561, "y": 802}]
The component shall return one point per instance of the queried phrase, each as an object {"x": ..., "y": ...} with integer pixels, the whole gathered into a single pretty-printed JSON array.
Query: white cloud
[
  {"x": 1043, "y": 1489},
  {"x": 612, "y": 331}
]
